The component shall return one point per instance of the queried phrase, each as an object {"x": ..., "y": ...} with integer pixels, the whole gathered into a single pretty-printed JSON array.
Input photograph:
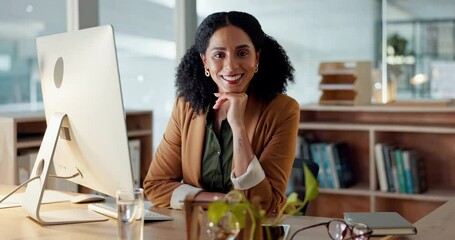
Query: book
[
  {"x": 408, "y": 171},
  {"x": 380, "y": 167},
  {"x": 316, "y": 156},
  {"x": 382, "y": 223},
  {"x": 326, "y": 164},
  {"x": 329, "y": 151},
  {"x": 303, "y": 148},
  {"x": 418, "y": 173},
  {"x": 388, "y": 167},
  {"x": 393, "y": 164},
  {"x": 298, "y": 146},
  {"x": 400, "y": 170},
  {"x": 135, "y": 155},
  {"x": 345, "y": 169}
]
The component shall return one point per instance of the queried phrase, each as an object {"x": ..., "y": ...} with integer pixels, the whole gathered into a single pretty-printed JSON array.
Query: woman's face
[{"x": 231, "y": 59}]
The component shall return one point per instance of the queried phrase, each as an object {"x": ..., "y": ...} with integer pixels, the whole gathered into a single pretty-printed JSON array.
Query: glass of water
[{"x": 130, "y": 209}]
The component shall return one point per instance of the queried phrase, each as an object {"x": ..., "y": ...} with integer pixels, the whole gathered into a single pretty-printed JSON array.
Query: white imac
[{"x": 86, "y": 131}]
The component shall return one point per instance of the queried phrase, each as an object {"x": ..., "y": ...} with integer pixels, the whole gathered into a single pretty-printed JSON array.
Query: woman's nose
[{"x": 231, "y": 63}]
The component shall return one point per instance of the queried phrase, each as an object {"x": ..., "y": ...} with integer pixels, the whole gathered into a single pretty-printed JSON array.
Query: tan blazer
[{"x": 272, "y": 131}]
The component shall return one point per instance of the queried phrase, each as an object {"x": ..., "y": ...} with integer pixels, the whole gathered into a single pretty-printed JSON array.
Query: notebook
[{"x": 382, "y": 223}]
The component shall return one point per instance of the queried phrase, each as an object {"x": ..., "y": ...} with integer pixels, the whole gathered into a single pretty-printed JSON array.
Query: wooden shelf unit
[
  {"x": 345, "y": 83},
  {"x": 22, "y": 131},
  {"x": 429, "y": 131}
]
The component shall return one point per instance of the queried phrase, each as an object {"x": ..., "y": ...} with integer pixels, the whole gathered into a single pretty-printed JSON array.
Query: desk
[
  {"x": 436, "y": 225},
  {"x": 16, "y": 225}
]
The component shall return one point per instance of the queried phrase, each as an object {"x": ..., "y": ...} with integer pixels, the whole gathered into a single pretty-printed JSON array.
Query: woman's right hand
[{"x": 236, "y": 108}]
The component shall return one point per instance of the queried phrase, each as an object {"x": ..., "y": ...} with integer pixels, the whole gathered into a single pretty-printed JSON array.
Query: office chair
[{"x": 296, "y": 181}]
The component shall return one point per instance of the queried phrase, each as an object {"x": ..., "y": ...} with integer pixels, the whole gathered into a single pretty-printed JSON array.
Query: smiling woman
[{"x": 232, "y": 126}]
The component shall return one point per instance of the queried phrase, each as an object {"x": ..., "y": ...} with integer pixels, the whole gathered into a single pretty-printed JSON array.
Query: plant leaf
[
  {"x": 311, "y": 185},
  {"x": 239, "y": 212},
  {"x": 293, "y": 198},
  {"x": 216, "y": 211}
]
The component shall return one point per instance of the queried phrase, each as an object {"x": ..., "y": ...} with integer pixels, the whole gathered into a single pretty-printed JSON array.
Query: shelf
[
  {"x": 29, "y": 142},
  {"x": 357, "y": 190},
  {"x": 430, "y": 132},
  {"x": 336, "y": 87},
  {"x": 430, "y": 195},
  {"x": 376, "y": 108},
  {"x": 333, "y": 126},
  {"x": 139, "y": 133},
  {"x": 373, "y": 127},
  {"x": 22, "y": 134}
]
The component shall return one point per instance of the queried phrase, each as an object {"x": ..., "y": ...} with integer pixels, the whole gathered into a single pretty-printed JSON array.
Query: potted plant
[{"x": 234, "y": 212}]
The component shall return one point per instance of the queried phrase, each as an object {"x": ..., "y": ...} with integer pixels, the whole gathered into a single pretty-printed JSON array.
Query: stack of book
[
  {"x": 399, "y": 170},
  {"x": 335, "y": 170}
]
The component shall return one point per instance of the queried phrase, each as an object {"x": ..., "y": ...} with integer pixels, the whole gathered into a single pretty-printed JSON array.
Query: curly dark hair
[{"x": 275, "y": 69}]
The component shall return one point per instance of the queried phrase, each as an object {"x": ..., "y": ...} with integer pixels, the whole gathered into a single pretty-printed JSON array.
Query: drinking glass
[{"x": 130, "y": 209}]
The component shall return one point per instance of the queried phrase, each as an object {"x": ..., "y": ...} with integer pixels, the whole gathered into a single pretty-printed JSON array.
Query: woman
[{"x": 231, "y": 127}]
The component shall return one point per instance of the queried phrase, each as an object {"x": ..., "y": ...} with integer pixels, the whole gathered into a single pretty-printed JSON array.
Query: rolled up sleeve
[{"x": 253, "y": 176}]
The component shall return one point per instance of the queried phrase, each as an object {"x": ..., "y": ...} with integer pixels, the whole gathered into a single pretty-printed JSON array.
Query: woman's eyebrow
[{"x": 223, "y": 48}]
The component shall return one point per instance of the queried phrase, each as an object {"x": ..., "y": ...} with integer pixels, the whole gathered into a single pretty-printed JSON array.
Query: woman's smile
[{"x": 232, "y": 79}]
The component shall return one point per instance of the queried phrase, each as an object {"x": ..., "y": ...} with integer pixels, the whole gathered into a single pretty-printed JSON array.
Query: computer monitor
[{"x": 86, "y": 130}]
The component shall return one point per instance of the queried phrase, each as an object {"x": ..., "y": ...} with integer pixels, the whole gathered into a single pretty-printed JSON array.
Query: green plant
[
  {"x": 398, "y": 43},
  {"x": 236, "y": 207}
]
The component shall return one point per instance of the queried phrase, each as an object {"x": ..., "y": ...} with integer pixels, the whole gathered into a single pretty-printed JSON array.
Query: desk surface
[
  {"x": 16, "y": 225},
  {"x": 436, "y": 225}
]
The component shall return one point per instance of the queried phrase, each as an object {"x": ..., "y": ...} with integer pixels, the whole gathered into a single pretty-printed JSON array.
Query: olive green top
[{"x": 216, "y": 164}]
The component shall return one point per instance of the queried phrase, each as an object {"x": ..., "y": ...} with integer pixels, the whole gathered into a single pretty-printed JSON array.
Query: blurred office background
[{"x": 420, "y": 35}]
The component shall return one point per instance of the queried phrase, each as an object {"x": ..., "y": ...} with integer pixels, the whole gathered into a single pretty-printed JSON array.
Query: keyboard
[{"x": 110, "y": 210}]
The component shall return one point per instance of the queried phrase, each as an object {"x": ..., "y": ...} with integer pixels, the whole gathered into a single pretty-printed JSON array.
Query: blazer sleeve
[
  {"x": 165, "y": 171},
  {"x": 277, "y": 154}
]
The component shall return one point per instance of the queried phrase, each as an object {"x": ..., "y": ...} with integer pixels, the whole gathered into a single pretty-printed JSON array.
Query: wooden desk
[
  {"x": 436, "y": 225},
  {"x": 16, "y": 225}
]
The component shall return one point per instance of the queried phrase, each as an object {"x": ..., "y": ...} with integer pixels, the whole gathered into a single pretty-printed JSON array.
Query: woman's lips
[{"x": 232, "y": 79}]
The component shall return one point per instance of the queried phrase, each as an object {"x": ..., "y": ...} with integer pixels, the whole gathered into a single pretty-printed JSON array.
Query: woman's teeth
[{"x": 232, "y": 77}]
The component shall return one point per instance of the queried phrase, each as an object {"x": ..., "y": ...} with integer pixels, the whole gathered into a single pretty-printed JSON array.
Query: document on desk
[{"x": 50, "y": 196}]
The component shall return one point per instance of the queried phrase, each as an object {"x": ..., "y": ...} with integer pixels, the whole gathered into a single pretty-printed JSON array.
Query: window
[{"x": 21, "y": 21}]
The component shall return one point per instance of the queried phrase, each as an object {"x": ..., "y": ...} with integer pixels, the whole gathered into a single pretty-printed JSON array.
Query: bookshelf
[
  {"x": 429, "y": 131},
  {"x": 23, "y": 131},
  {"x": 345, "y": 83}
]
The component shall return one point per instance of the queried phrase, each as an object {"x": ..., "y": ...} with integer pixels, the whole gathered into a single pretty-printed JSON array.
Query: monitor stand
[{"x": 35, "y": 189}]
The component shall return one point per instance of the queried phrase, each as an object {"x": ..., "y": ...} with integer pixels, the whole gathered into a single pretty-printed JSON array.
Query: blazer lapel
[{"x": 194, "y": 149}]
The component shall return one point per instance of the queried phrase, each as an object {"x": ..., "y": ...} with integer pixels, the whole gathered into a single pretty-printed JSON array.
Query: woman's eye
[
  {"x": 243, "y": 53},
  {"x": 218, "y": 55}
]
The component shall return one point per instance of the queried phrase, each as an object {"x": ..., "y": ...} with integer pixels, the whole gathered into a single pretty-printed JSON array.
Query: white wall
[{"x": 311, "y": 32}]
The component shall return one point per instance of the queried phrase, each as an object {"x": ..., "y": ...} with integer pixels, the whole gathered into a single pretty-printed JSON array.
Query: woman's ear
[
  {"x": 258, "y": 55},
  {"x": 204, "y": 59}
]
